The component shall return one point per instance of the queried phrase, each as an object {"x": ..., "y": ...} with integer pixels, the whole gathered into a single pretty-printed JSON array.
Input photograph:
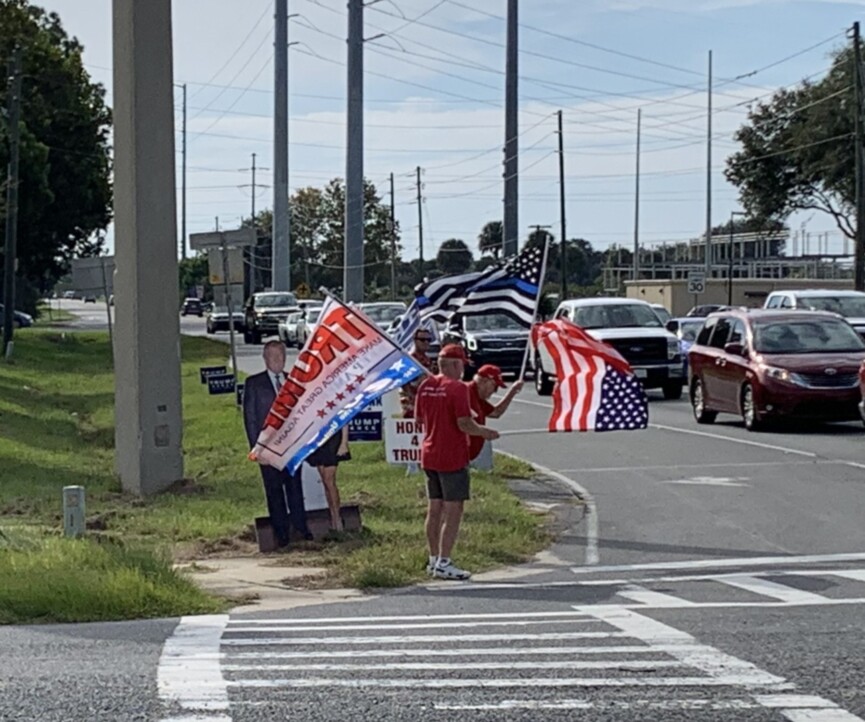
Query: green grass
[
  {"x": 51, "y": 579},
  {"x": 57, "y": 429},
  {"x": 48, "y": 316}
]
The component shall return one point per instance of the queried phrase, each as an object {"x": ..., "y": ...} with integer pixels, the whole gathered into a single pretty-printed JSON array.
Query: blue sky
[{"x": 435, "y": 91}]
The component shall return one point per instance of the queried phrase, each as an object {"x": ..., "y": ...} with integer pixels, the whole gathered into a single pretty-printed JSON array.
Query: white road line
[
  {"x": 726, "y": 562},
  {"x": 418, "y": 638},
  {"x": 430, "y": 625},
  {"x": 451, "y": 652},
  {"x": 848, "y": 573},
  {"x": 766, "y": 588},
  {"x": 857, "y": 575},
  {"x": 592, "y": 556},
  {"x": 670, "y": 705},
  {"x": 824, "y": 602},
  {"x": 645, "y": 664},
  {"x": 189, "y": 674},
  {"x": 691, "y": 466},
  {"x": 492, "y": 683},
  {"x": 405, "y": 618},
  {"x": 733, "y": 440},
  {"x": 719, "y": 665},
  {"x": 657, "y": 600}
]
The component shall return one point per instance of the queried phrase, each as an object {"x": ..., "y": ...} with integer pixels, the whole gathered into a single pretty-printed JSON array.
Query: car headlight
[
  {"x": 472, "y": 344},
  {"x": 779, "y": 374},
  {"x": 672, "y": 348}
]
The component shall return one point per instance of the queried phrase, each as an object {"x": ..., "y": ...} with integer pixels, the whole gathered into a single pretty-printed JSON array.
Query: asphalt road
[{"x": 720, "y": 575}]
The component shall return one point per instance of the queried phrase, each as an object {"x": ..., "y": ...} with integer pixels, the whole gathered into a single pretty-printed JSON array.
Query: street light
[{"x": 733, "y": 214}]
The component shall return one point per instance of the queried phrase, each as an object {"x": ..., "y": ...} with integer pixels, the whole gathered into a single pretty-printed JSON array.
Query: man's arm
[
  {"x": 500, "y": 408},
  {"x": 471, "y": 427}
]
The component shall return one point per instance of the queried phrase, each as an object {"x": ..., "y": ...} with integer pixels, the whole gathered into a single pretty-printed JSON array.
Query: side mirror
[
  {"x": 672, "y": 326},
  {"x": 736, "y": 349}
]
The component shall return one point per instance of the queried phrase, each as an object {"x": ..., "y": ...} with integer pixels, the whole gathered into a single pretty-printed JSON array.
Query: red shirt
[
  {"x": 480, "y": 410},
  {"x": 440, "y": 402},
  {"x": 408, "y": 392}
]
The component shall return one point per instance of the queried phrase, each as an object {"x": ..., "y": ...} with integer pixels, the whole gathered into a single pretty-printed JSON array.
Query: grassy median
[{"x": 57, "y": 428}]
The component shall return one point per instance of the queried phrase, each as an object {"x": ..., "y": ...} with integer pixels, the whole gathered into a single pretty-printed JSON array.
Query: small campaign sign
[
  {"x": 366, "y": 426},
  {"x": 402, "y": 441},
  {"x": 238, "y": 389},
  {"x": 220, "y": 384},
  {"x": 205, "y": 371}
]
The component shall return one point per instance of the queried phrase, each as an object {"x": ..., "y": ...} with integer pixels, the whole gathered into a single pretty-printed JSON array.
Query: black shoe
[{"x": 308, "y": 536}]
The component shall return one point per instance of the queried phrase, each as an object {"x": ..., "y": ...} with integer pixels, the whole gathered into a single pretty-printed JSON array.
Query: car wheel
[
  {"x": 751, "y": 416},
  {"x": 673, "y": 391},
  {"x": 698, "y": 404},
  {"x": 543, "y": 382}
]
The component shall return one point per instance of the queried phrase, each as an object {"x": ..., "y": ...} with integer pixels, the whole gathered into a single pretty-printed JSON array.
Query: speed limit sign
[{"x": 696, "y": 282}]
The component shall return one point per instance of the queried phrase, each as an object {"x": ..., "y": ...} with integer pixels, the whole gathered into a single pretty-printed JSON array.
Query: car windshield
[
  {"x": 688, "y": 330},
  {"x": 276, "y": 299},
  {"x": 312, "y": 314},
  {"x": 825, "y": 335},
  {"x": 850, "y": 306},
  {"x": 662, "y": 313},
  {"x": 622, "y": 315},
  {"x": 492, "y": 322},
  {"x": 382, "y": 314}
]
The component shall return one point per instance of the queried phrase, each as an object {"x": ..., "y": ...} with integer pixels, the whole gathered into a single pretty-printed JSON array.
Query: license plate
[{"x": 641, "y": 373}]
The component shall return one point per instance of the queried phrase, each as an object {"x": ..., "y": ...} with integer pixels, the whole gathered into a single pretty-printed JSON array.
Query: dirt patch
[{"x": 187, "y": 487}]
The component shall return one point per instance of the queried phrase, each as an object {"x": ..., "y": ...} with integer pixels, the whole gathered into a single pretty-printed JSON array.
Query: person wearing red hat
[
  {"x": 443, "y": 408},
  {"x": 488, "y": 379}
]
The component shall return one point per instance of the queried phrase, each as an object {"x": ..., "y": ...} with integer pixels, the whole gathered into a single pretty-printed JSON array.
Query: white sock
[{"x": 433, "y": 560}]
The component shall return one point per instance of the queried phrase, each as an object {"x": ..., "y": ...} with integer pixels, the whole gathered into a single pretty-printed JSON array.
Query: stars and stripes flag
[
  {"x": 596, "y": 389},
  {"x": 346, "y": 364}
]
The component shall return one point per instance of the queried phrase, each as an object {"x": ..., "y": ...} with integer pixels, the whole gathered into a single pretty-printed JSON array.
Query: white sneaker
[
  {"x": 449, "y": 570},
  {"x": 430, "y": 568}
]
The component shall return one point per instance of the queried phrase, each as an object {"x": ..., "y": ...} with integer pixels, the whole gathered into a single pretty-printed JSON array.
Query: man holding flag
[{"x": 444, "y": 410}]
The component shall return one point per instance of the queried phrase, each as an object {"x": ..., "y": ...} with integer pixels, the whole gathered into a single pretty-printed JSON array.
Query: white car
[
  {"x": 849, "y": 304},
  {"x": 306, "y": 323},
  {"x": 631, "y": 327},
  {"x": 287, "y": 329},
  {"x": 383, "y": 313}
]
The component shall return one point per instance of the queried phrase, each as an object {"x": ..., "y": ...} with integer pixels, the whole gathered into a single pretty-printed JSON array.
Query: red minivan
[{"x": 765, "y": 365}]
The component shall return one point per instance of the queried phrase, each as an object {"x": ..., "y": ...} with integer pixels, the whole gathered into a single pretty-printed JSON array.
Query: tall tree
[
  {"x": 64, "y": 190},
  {"x": 491, "y": 238},
  {"x": 797, "y": 150},
  {"x": 454, "y": 256}
]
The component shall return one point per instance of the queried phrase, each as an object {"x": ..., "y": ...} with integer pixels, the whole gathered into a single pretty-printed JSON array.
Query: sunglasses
[{"x": 425, "y": 339}]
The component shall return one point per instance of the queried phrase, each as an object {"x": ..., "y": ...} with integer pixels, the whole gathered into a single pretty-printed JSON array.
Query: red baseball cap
[
  {"x": 454, "y": 350},
  {"x": 493, "y": 373}
]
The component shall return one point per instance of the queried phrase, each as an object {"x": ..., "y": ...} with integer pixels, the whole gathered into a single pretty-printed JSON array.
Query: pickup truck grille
[{"x": 641, "y": 350}]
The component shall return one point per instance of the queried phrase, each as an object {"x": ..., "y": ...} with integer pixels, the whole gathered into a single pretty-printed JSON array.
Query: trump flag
[
  {"x": 346, "y": 364},
  {"x": 595, "y": 390}
]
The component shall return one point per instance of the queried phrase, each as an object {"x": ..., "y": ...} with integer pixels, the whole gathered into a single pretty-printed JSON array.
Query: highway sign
[
  {"x": 696, "y": 282},
  {"x": 215, "y": 239}
]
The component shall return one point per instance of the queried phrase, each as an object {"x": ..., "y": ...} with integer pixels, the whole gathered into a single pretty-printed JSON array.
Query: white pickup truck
[{"x": 635, "y": 331}]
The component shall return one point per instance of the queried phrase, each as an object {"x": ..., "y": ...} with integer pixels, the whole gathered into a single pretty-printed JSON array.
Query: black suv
[
  {"x": 191, "y": 307},
  {"x": 262, "y": 313},
  {"x": 493, "y": 338}
]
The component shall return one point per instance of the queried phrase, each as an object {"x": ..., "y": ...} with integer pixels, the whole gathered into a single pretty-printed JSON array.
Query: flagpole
[{"x": 537, "y": 304}]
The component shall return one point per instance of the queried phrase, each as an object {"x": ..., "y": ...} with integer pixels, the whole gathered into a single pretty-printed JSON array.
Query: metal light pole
[{"x": 730, "y": 246}]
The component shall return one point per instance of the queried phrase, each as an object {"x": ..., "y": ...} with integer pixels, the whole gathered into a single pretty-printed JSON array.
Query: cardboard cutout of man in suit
[{"x": 284, "y": 491}]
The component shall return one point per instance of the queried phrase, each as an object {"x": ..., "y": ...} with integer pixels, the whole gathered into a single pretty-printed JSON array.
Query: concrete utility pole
[
  {"x": 354, "y": 196},
  {"x": 13, "y": 98},
  {"x": 248, "y": 270},
  {"x": 636, "y": 259},
  {"x": 420, "y": 224},
  {"x": 148, "y": 413},
  {"x": 511, "y": 211},
  {"x": 280, "y": 249},
  {"x": 392, "y": 242},
  {"x": 709, "y": 179},
  {"x": 564, "y": 231},
  {"x": 183, "y": 183},
  {"x": 859, "y": 110}
]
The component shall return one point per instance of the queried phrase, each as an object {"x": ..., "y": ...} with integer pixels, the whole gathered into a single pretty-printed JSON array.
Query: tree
[
  {"x": 454, "y": 256},
  {"x": 64, "y": 187},
  {"x": 797, "y": 150},
  {"x": 491, "y": 238},
  {"x": 194, "y": 272}
]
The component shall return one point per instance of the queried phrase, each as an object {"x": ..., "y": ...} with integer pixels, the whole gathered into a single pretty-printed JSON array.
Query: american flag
[
  {"x": 596, "y": 389},
  {"x": 511, "y": 288}
]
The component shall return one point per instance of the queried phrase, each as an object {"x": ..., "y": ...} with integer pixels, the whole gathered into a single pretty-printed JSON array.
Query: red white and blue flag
[
  {"x": 595, "y": 390},
  {"x": 346, "y": 364}
]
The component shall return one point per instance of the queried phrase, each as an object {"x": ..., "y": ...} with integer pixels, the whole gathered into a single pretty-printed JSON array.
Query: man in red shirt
[
  {"x": 486, "y": 382},
  {"x": 422, "y": 340},
  {"x": 442, "y": 407}
]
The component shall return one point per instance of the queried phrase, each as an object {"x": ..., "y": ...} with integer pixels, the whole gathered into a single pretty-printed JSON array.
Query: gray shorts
[{"x": 448, "y": 485}]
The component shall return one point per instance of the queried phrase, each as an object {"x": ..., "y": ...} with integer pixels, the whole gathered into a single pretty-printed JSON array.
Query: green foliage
[
  {"x": 194, "y": 272},
  {"x": 491, "y": 238},
  {"x": 454, "y": 256},
  {"x": 65, "y": 191},
  {"x": 797, "y": 150}
]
